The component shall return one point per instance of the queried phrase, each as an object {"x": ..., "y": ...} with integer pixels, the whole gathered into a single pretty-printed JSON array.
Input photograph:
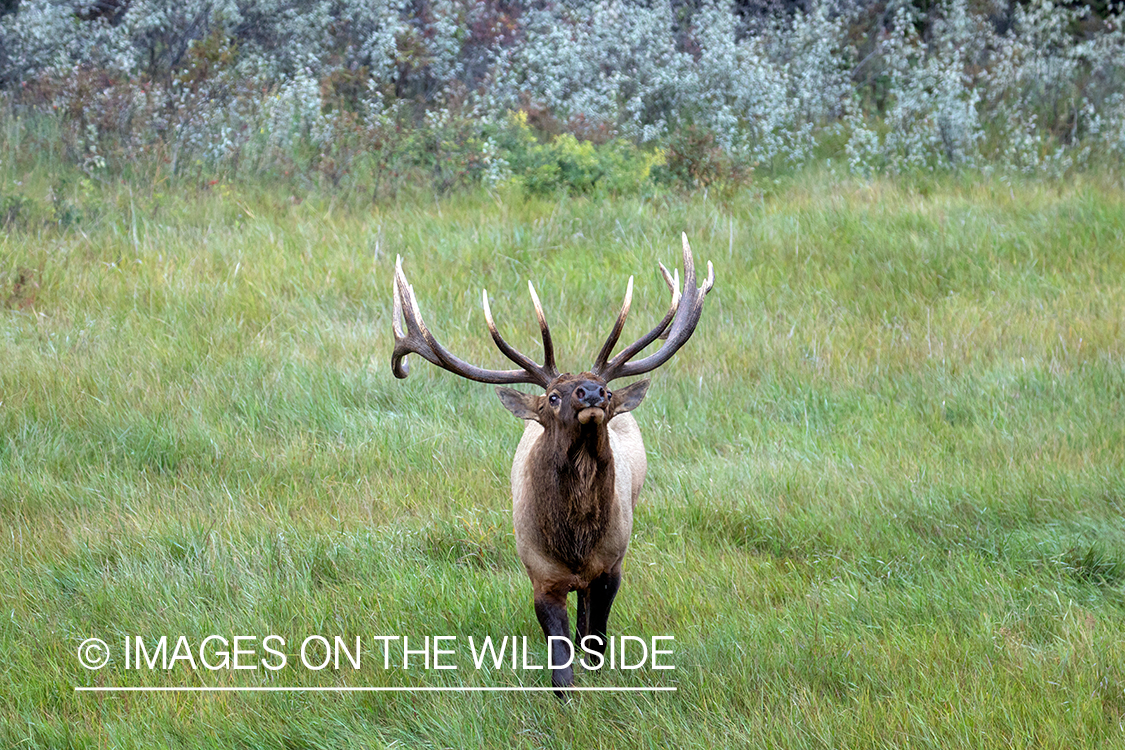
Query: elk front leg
[
  {"x": 603, "y": 589},
  {"x": 582, "y": 627},
  {"x": 550, "y": 608}
]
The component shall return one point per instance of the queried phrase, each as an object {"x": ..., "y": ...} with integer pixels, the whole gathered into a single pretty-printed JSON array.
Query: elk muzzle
[{"x": 591, "y": 400}]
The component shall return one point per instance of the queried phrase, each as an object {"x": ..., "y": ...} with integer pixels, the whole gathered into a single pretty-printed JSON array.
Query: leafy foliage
[{"x": 565, "y": 163}]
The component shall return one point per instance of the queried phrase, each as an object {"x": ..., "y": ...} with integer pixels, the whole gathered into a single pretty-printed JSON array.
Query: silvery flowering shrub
[
  {"x": 931, "y": 107},
  {"x": 355, "y": 90},
  {"x": 277, "y": 38},
  {"x": 1052, "y": 95},
  {"x": 628, "y": 64}
]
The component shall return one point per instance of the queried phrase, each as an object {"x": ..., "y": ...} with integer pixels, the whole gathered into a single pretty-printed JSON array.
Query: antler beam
[{"x": 415, "y": 338}]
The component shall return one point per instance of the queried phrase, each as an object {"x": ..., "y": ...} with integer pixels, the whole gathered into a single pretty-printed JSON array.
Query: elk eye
[{"x": 553, "y": 399}]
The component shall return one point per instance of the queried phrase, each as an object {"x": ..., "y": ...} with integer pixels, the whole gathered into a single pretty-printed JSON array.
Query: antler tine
[
  {"x": 673, "y": 282},
  {"x": 415, "y": 338},
  {"x": 507, "y": 349},
  {"x": 607, "y": 347},
  {"x": 396, "y": 311},
  {"x": 659, "y": 332},
  {"x": 683, "y": 319},
  {"x": 548, "y": 346},
  {"x": 407, "y": 340}
]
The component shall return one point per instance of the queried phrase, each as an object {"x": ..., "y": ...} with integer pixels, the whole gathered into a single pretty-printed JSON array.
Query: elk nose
[{"x": 590, "y": 393}]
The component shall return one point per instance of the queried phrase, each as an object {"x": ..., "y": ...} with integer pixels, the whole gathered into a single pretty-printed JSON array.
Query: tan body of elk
[
  {"x": 574, "y": 487},
  {"x": 581, "y": 462}
]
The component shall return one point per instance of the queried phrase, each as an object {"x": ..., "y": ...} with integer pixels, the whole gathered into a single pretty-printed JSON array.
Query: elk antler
[
  {"x": 683, "y": 318},
  {"x": 417, "y": 339}
]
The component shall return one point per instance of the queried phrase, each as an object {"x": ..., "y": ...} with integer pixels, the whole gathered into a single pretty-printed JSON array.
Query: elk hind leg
[{"x": 603, "y": 590}]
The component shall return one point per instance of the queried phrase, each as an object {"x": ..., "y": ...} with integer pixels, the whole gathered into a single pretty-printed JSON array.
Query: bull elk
[{"x": 580, "y": 463}]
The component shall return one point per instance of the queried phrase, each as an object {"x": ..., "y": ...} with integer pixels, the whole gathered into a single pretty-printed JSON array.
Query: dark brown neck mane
[{"x": 575, "y": 481}]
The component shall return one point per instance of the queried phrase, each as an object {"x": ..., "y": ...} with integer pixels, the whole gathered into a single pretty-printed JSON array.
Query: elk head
[{"x": 573, "y": 401}]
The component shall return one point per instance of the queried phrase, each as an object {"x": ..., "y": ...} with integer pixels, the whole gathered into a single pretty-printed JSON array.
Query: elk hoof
[{"x": 563, "y": 678}]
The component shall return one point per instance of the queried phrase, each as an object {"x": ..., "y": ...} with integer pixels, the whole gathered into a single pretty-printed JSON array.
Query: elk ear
[
  {"x": 523, "y": 405},
  {"x": 628, "y": 398}
]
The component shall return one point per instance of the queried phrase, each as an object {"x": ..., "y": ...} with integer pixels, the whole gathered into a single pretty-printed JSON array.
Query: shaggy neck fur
[{"x": 576, "y": 494}]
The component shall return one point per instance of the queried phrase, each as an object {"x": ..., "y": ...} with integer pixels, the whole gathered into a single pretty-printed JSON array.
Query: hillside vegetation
[{"x": 617, "y": 97}]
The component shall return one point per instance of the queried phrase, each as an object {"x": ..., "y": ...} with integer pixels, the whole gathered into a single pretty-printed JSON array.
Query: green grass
[{"x": 884, "y": 505}]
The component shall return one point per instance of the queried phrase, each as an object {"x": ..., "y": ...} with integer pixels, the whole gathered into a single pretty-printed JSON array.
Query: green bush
[
  {"x": 695, "y": 160},
  {"x": 564, "y": 163}
]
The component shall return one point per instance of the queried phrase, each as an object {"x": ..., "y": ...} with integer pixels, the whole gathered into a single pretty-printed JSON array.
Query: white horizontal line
[{"x": 364, "y": 689}]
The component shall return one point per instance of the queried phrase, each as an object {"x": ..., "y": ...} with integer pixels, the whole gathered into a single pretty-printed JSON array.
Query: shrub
[
  {"x": 563, "y": 162},
  {"x": 695, "y": 159}
]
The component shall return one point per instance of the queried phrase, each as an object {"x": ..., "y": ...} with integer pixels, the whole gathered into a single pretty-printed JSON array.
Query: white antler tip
[
  {"x": 538, "y": 305},
  {"x": 487, "y": 309}
]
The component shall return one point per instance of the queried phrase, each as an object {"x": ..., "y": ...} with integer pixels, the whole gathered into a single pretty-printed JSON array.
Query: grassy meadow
[{"x": 886, "y": 476}]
